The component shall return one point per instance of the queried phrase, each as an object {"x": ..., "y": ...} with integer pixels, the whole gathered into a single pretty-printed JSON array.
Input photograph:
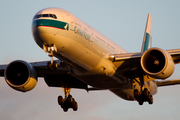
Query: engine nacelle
[
  {"x": 157, "y": 63},
  {"x": 21, "y": 76}
]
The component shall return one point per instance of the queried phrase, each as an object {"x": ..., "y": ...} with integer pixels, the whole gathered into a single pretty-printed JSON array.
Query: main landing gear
[
  {"x": 144, "y": 96},
  {"x": 68, "y": 101}
]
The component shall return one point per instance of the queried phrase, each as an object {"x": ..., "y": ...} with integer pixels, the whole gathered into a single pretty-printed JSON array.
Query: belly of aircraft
[{"x": 100, "y": 81}]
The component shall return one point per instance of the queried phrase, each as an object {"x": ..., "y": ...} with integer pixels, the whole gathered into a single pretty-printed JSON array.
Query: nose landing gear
[
  {"x": 52, "y": 64},
  {"x": 68, "y": 101}
]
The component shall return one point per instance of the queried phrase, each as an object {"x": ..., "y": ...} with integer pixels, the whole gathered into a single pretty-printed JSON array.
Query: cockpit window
[
  {"x": 46, "y": 15},
  {"x": 54, "y": 16},
  {"x": 38, "y": 16},
  {"x": 50, "y": 15}
]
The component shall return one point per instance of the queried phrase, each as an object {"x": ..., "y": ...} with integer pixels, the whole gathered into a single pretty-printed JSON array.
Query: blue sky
[{"x": 121, "y": 21}]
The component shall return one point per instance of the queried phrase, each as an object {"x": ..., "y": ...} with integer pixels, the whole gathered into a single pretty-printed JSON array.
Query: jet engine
[
  {"x": 21, "y": 76},
  {"x": 157, "y": 63}
]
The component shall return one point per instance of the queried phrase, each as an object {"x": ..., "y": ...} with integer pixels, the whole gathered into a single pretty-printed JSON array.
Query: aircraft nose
[
  {"x": 45, "y": 31},
  {"x": 40, "y": 22},
  {"x": 51, "y": 24},
  {"x": 41, "y": 33}
]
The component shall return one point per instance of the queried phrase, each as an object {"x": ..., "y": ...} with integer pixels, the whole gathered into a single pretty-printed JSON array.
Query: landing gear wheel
[
  {"x": 140, "y": 102},
  {"x": 70, "y": 99},
  {"x": 150, "y": 100},
  {"x": 49, "y": 65},
  {"x": 75, "y": 107},
  {"x": 60, "y": 100},
  {"x": 73, "y": 103},
  {"x": 55, "y": 65},
  {"x": 138, "y": 97},
  {"x": 65, "y": 109},
  {"x": 136, "y": 94},
  {"x": 146, "y": 94}
]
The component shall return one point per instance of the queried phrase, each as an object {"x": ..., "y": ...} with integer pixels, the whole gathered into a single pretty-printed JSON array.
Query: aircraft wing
[
  {"x": 40, "y": 67},
  {"x": 168, "y": 82},
  {"x": 126, "y": 62},
  {"x": 129, "y": 65},
  {"x": 175, "y": 54},
  {"x": 53, "y": 78},
  {"x": 2, "y": 69}
]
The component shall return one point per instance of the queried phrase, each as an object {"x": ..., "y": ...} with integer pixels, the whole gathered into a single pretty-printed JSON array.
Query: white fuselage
[{"x": 82, "y": 47}]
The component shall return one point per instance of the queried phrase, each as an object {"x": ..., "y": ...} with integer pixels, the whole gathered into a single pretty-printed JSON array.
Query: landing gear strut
[
  {"x": 68, "y": 101},
  {"x": 51, "y": 64},
  {"x": 143, "y": 95}
]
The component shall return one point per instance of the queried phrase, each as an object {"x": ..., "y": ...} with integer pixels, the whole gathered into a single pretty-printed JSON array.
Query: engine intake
[
  {"x": 21, "y": 76},
  {"x": 157, "y": 63}
]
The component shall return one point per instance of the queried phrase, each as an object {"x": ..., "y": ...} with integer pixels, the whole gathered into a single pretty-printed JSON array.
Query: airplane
[{"x": 90, "y": 61}]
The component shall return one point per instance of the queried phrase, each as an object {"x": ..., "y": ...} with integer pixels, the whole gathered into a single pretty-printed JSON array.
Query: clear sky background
[{"x": 123, "y": 21}]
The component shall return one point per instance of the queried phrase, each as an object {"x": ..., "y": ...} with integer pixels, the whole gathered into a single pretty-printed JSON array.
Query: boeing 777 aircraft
[{"x": 88, "y": 60}]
